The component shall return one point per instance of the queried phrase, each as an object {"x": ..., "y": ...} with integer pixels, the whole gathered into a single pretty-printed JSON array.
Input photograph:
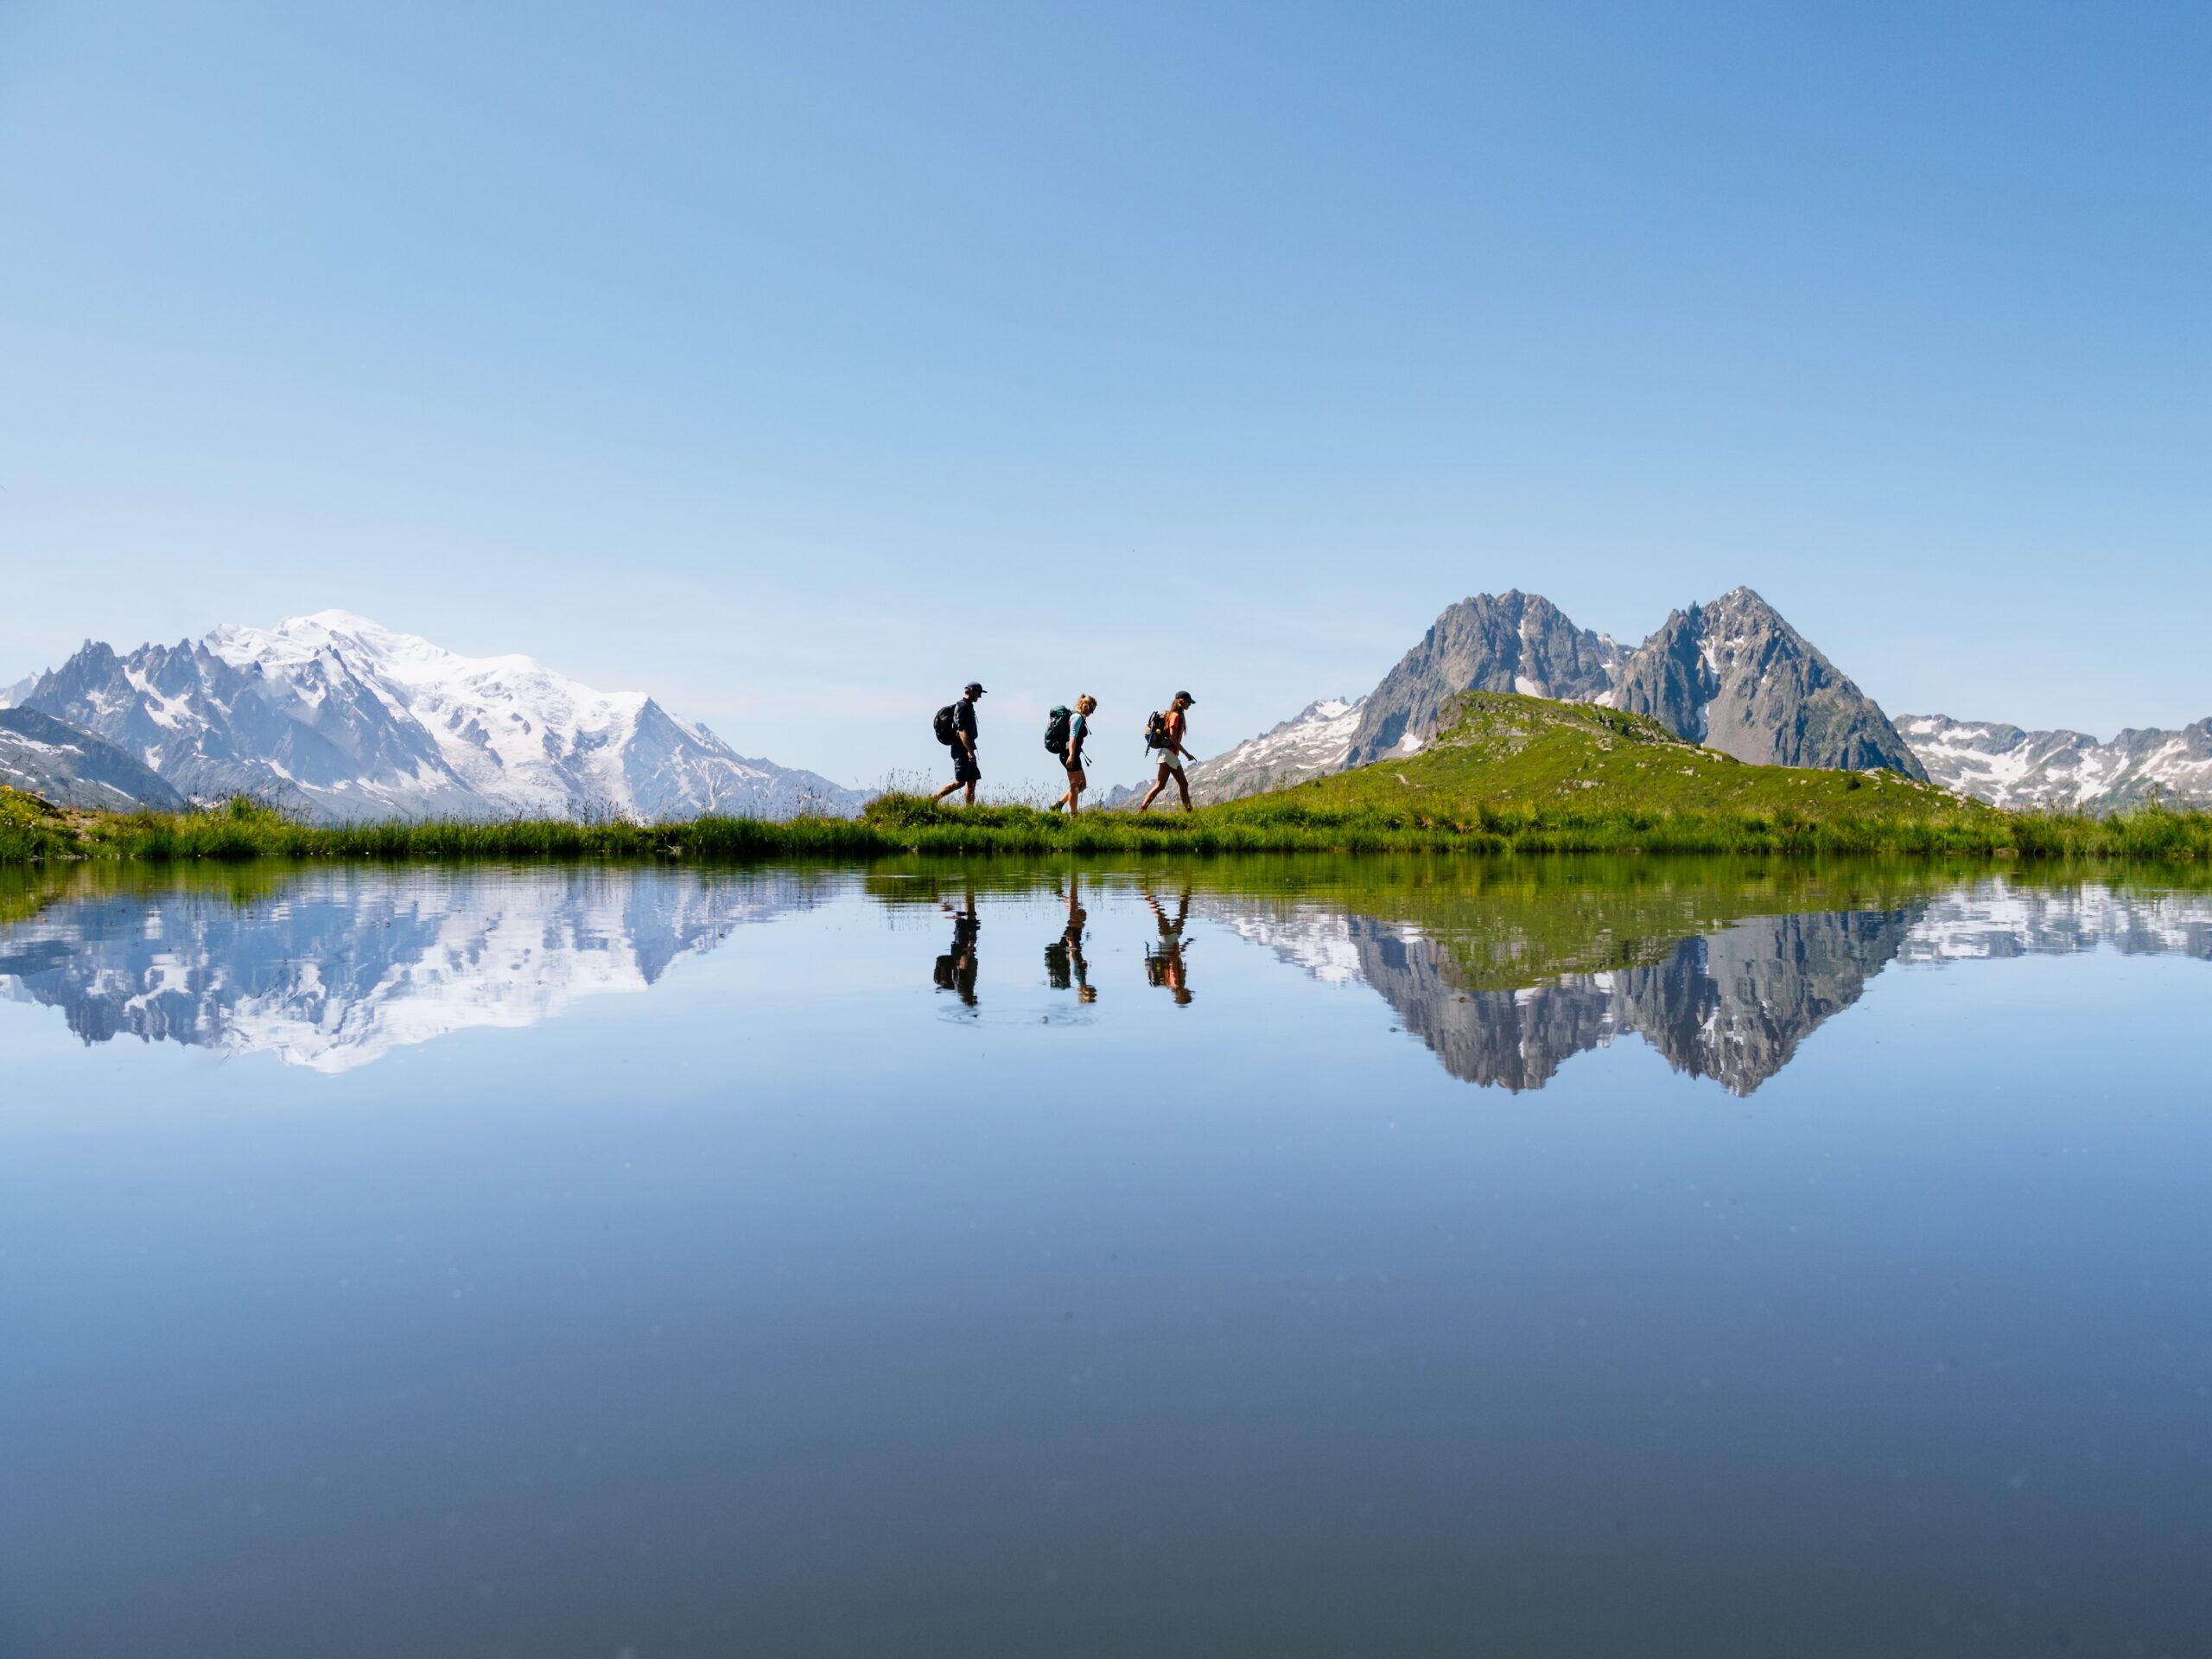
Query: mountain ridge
[
  {"x": 1732, "y": 674},
  {"x": 336, "y": 716},
  {"x": 1735, "y": 675},
  {"x": 2061, "y": 769},
  {"x": 72, "y": 767}
]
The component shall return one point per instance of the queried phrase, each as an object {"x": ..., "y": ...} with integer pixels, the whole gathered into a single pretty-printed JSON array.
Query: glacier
[{"x": 340, "y": 718}]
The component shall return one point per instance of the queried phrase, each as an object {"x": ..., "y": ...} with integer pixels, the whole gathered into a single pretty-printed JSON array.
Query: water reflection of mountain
[
  {"x": 335, "y": 968},
  {"x": 1732, "y": 1004}
]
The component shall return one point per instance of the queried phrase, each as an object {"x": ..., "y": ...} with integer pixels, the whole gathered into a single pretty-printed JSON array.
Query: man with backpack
[
  {"x": 1065, "y": 732},
  {"x": 1164, "y": 735},
  {"x": 955, "y": 729}
]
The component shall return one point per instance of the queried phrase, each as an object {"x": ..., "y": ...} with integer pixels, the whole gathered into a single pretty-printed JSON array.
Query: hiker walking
[
  {"x": 955, "y": 729},
  {"x": 1165, "y": 734},
  {"x": 1064, "y": 731}
]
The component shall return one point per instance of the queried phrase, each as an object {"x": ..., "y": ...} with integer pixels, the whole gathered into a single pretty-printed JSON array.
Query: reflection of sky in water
[
  {"x": 824, "y": 1297},
  {"x": 334, "y": 969}
]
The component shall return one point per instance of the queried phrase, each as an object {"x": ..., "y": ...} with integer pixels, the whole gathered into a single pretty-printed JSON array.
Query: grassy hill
[
  {"x": 1507, "y": 774},
  {"x": 1503, "y": 750}
]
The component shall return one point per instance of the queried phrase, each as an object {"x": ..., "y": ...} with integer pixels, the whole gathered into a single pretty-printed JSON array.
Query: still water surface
[{"x": 1284, "y": 1258}]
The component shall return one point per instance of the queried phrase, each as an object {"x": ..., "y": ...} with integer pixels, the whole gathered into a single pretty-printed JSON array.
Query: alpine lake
[{"x": 1353, "y": 1257}]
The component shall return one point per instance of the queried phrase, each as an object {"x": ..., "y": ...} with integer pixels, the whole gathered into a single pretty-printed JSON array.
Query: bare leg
[
  {"x": 1183, "y": 788},
  {"x": 946, "y": 790},
  {"x": 1153, "y": 794}
]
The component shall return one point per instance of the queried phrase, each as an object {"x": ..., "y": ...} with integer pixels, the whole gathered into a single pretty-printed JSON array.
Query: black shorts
[
  {"x": 964, "y": 769},
  {"x": 1074, "y": 765}
]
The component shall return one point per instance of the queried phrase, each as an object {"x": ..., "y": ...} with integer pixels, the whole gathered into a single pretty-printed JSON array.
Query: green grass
[{"x": 1511, "y": 774}]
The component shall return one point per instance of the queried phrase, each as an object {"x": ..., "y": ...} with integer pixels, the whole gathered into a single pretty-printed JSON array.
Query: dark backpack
[
  {"x": 1056, "y": 730},
  {"x": 947, "y": 724},
  {"x": 1155, "y": 732}
]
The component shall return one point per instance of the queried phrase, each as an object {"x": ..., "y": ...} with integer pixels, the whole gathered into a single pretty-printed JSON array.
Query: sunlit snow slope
[
  {"x": 342, "y": 718},
  {"x": 2068, "y": 770}
]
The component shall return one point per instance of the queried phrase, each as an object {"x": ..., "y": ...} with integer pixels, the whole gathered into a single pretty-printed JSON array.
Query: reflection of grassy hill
[
  {"x": 1506, "y": 922},
  {"x": 1526, "y": 921}
]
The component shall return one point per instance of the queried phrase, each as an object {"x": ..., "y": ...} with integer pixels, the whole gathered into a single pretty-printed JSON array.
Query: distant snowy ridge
[
  {"x": 341, "y": 718},
  {"x": 2072, "y": 771},
  {"x": 1313, "y": 741}
]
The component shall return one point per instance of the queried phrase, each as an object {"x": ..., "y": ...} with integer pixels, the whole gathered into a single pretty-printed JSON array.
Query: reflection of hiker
[
  {"x": 955, "y": 729},
  {"x": 956, "y": 969},
  {"x": 1064, "y": 734},
  {"x": 1064, "y": 964},
  {"x": 1163, "y": 963},
  {"x": 1164, "y": 735}
]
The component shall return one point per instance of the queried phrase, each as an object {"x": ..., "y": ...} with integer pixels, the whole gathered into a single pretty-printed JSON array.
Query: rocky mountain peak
[
  {"x": 1734, "y": 675},
  {"x": 1731, "y": 672},
  {"x": 1488, "y": 642}
]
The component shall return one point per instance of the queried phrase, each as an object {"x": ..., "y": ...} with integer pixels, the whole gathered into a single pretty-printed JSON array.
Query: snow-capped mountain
[
  {"x": 337, "y": 716},
  {"x": 2070, "y": 771},
  {"x": 69, "y": 767},
  {"x": 1313, "y": 742}
]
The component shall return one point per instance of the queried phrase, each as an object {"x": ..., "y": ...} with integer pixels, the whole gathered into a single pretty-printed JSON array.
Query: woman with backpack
[
  {"x": 1065, "y": 734},
  {"x": 1165, "y": 734}
]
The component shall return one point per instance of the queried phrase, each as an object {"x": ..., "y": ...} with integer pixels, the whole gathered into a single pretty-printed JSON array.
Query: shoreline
[{"x": 35, "y": 832}]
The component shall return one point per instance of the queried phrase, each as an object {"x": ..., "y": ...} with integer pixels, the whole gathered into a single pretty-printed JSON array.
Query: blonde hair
[{"x": 1085, "y": 703}]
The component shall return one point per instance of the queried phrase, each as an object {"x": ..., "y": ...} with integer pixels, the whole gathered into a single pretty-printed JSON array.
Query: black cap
[
  {"x": 974, "y": 688},
  {"x": 1184, "y": 697}
]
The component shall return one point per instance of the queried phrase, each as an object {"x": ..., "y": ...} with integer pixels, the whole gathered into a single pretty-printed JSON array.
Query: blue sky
[{"x": 795, "y": 365}]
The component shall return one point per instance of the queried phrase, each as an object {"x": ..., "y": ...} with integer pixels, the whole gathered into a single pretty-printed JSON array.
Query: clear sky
[{"x": 797, "y": 364}]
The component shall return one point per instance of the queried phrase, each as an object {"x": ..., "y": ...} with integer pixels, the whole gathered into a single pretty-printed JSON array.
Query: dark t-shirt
[{"x": 963, "y": 721}]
